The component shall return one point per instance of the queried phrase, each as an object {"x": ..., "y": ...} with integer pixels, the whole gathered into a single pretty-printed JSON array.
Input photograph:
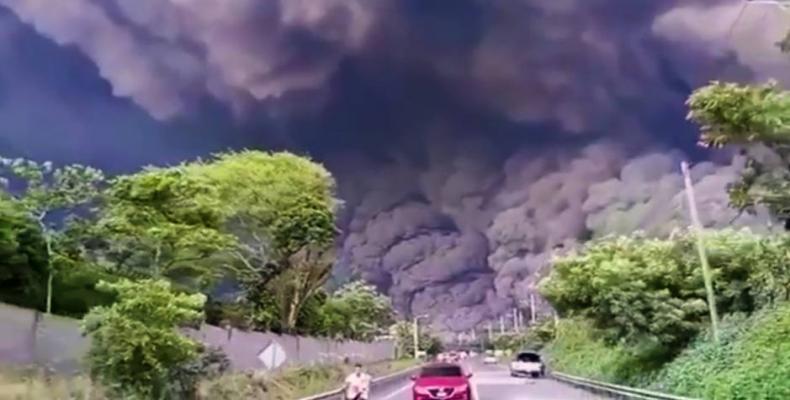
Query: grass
[
  {"x": 577, "y": 350},
  {"x": 292, "y": 383},
  {"x": 752, "y": 360},
  {"x": 30, "y": 385},
  {"x": 288, "y": 384}
]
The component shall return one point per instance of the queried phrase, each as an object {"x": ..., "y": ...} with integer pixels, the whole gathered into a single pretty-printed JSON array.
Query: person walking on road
[{"x": 358, "y": 384}]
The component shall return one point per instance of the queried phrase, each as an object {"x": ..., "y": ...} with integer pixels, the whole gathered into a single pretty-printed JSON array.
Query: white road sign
[{"x": 273, "y": 356}]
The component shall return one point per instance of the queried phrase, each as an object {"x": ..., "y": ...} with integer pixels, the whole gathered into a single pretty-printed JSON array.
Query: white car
[
  {"x": 527, "y": 363},
  {"x": 490, "y": 359}
]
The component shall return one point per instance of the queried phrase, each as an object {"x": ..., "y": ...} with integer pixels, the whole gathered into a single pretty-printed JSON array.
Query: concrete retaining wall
[{"x": 28, "y": 337}]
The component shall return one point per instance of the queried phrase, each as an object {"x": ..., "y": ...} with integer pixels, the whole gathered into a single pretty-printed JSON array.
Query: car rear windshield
[
  {"x": 448, "y": 370},
  {"x": 528, "y": 357}
]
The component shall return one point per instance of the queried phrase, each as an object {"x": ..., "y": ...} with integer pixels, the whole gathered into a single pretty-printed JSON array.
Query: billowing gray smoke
[{"x": 471, "y": 138}]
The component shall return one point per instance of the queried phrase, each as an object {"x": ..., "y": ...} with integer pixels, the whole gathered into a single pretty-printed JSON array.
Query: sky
[{"x": 471, "y": 139}]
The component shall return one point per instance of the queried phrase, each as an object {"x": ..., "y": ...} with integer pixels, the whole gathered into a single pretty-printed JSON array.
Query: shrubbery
[
  {"x": 580, "y": 349},
  {"x": 136, "y": 348},
  {"x": 632, "y": 304},
  {"x": 637, "y": 289},
  {"x": 751, "y": 362},
  {"x": 535, "y": 338}
]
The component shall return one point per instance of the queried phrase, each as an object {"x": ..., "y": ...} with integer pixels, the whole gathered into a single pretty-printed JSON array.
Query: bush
[
  {"x": 752, "y": 360},
  {"x": 75, "y": 290},
  {"x": 289, "y": 384},
  {"x": 184, "y": 379},
  {"x": 232, "y": 387},
  {"x": 535, "y": 338},
  {"x": 23, "y": 258},
  {"x": 136, "y": 349},
  {"x": 580, "y": 349},
  {"x": 640, "y": 289}
]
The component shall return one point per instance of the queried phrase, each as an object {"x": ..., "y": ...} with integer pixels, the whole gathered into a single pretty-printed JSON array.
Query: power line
[
  {"x": 781, "y": 4},
  {"x": 737, "y": 18}
]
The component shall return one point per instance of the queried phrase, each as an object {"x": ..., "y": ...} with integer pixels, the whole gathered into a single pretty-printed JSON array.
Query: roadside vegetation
[
  {"x": 634, "y": 309},
  {"x": 243, "y": 240},
  {"x": 633, "y": 312},
  {"x": 288, "y": 384}
]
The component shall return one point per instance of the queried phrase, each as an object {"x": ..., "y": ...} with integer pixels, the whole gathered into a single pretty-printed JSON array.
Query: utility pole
[
  {"x": 706, "y": 274},
  {"x": 515, "y": 320},
  {"x": 490, "y": 330},
  {"x": 417, "y": 336},
  {"x": 416, "y": 339},
  {"x": 501, "y": 325},
  {"x": 532, "y": 308}
]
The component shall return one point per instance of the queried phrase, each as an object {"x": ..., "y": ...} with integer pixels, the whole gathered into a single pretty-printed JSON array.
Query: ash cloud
[
  {"x": 732, "y": 28},
  {"x": 471, "y": 138},
  {"x": 163, "y": 54}
]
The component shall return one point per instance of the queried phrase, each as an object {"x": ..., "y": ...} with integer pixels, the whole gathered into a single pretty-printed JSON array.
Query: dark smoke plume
[{"x": 471, "y": 138}]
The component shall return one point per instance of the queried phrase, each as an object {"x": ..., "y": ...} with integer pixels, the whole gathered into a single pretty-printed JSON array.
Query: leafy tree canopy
[
  {"x": 357, "y": 311},
  {"x": 44, "y": 190},
  {"x": 135, "y": 346},
  {"x": 403, "y": 333},
  {"x": 23, "y": 258},
  {"x": 162, "y": 223},
  {"x": 637, "y": 288},
  {"x": 750, "y": 116},
  {"x": 278, "y": 202},
  {"x": 244, "y": 210}
]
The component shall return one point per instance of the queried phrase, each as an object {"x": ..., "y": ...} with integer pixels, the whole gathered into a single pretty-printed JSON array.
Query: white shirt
[{"x": 358, "y": 384}]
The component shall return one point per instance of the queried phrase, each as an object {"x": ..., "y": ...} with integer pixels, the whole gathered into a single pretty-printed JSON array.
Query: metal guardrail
[
  {"x": 614, "y": 391},
  {"x": 337, "y": 393}
]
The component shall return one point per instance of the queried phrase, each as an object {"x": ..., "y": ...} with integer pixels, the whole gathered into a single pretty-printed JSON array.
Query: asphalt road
[{"x": 493, "y": 382}]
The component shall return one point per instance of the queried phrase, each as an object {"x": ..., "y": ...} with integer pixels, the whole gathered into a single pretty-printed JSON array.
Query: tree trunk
[
  {"x": 50, "y": 277},
  {"x": 157, "y": 256},
  {"x": 50, "y": 271},
  {"x": 293, "y": 310}
]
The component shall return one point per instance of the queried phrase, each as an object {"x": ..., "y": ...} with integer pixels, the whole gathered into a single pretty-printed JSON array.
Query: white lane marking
[
  {"x": 473, "y": 386},
  {"x": 397, "y": 392}
]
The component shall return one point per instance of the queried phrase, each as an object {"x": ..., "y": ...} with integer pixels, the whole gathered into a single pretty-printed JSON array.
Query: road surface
[{"x": 493, "y": 382}]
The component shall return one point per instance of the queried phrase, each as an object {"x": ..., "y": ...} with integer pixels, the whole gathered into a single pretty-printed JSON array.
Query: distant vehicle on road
[
  {"x": 490, "y": 359},
  {"x": 451, "y": 357},
  {"x": 442, "y": 381},
  {"x": 528, "y": 363}
]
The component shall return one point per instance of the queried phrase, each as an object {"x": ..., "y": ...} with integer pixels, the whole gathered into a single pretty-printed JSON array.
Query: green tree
[
  {"x": 404, "y": 339},
  {"x": 403, "y": 333},
  {"x": 162, "y": 223},
  {"x": 306, "y": 273},
  {"x": 357, "y": 311},
  {"x": 136, "y": 347},
  {"x": 23, "y": 259},
  {"x": 637, "y": 288},
  {"x": 535, "y": 338},
  {"x": 278, "y": 204},
  {"x": 748, "y": 117},
  {"x": 46, "y": 191}
]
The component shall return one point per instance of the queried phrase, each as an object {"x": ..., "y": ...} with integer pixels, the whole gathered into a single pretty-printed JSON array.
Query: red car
[{"x": 442, "y": 381}]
